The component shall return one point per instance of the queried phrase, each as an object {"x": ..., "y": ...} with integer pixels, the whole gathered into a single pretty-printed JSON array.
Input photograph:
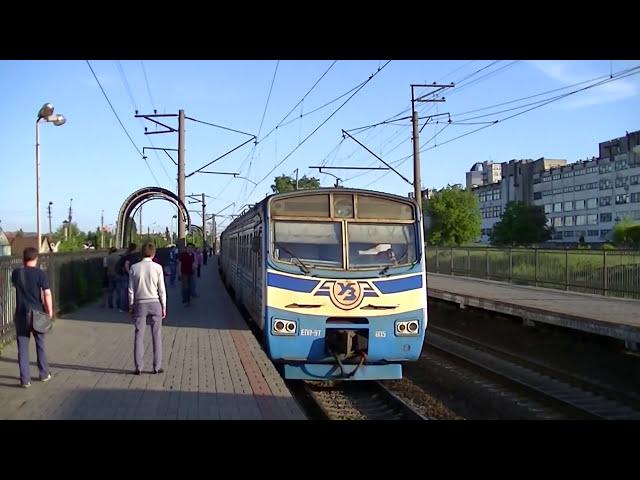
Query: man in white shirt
[{"x": 147, "y": 301}]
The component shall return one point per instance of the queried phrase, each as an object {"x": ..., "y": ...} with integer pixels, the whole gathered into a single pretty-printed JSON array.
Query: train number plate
[
  {"x": 309, "y": 332},
  {"x": 380, "y": 334}
]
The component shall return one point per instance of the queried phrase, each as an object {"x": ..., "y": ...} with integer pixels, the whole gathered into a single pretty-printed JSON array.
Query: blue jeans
[{"x": 23, "y": 356}]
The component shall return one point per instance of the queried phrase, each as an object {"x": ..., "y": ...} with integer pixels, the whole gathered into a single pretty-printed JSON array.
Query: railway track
[
  {"x": 362, "y": 400},
  {"x": 576, "y": 396}
]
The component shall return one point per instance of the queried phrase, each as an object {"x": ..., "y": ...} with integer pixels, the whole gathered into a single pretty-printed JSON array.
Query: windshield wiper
[{"x": 302, "y": 266}]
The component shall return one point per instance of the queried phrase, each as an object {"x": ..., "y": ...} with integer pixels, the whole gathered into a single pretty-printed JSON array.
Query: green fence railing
[{"x": 604, "y": 272}]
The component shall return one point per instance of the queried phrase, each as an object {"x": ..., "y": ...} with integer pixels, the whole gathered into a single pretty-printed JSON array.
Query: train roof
[{"x": 295, "y": 193}]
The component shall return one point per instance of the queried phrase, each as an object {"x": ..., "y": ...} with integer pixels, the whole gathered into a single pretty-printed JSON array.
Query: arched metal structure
[{"x": 139, "y": 198}]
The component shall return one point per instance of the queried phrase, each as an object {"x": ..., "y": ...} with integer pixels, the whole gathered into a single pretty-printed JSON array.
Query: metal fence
[
  {"x": 75, "y": 278},
  {"x": 604, "y": 272}
]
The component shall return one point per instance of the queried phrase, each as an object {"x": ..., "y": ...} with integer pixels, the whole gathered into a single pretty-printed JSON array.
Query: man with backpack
[{"x": 32, "y": 295}]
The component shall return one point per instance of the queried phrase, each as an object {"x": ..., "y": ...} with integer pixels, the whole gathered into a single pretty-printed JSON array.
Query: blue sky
[{"x": 91, "y": 160}]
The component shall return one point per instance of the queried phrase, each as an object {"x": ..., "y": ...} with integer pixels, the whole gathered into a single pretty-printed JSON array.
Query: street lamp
[{"x": 44, "y": 114}]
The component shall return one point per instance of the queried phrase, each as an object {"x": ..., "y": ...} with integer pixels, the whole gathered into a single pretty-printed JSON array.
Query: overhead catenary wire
[
  {"x": 134, "y": 104},
  {"x": 121, "y": 124},
  {"x": 371, "y": 77}
]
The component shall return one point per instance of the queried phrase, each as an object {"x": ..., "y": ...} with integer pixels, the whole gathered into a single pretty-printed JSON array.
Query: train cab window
[
  {"x": 373, "y": 207},
  {"x": 305, "y": 206},
  {"x": 343, "y": 206},
  {"x": 317, "y": 244}
]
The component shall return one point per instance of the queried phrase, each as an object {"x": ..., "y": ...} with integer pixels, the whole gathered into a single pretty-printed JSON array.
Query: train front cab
[{"x": 345, "y": 287}]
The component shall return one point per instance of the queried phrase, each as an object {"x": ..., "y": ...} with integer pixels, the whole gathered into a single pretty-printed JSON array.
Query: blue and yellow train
[{"x": 334, "y": 278}]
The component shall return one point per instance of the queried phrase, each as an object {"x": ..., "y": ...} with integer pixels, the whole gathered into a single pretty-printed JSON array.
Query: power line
[
  {"x": 538, "y": 104},
  {"x": 146, "y": 81},
  {"x": 371, "y": 77},
  {"x": 299, "y": 101},
  {"x": 268, "y": 97},
  {"x": 120, "y": 122},
  {"x": 125, "y": 82}
]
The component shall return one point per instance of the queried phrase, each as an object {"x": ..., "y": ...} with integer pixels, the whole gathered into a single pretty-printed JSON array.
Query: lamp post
[{"x": 44, "y": 114}]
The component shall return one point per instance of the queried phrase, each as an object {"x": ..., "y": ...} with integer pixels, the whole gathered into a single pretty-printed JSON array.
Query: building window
[
  {"x": 604, "y": 233},
  {"x": 556, "y": 176},
  {"x": 592, "y": 233},
  {"x": 635, "y": 197},
  {"x": 568, "y": 221},
  {"x": 568, "y": 189},
  {"x": 537, "y": 195},
  {"x": 623, "y": 198},
  {"x": 547, "y": 193},
  {"x": 591, "y": 186},
  {"x": 634, "y": 179},
  {"x": 568, "y": 206},
  {"x": 606, "y": 168},
  {"x": 579, "y": 204},
  {"x": 496, "y": 194},
  {"x": 557, "y": 191},
  {"x": 548, "y": 208},
  {"x": 621, "y": 165},
  {"x": 592, "y": 169},
  {"x": 605, "y": 201},
  {"x": 592, "y": 203},
  {"x": 592, "y": 219},
  {"x": 557, "y": 207},
  {"x": 581, "y": 219},
  {"x": 605, "y": 183},
  {"x": 579, "y": 172},
  {"x": 557, "y": 222},
  {"x": 569, "y": 233},
  {"x": 606, "y": 217},
  {"x": 567, "y": 174},
  {"x": 546, "y": 178},
  {"x": 621, "y": 181}
]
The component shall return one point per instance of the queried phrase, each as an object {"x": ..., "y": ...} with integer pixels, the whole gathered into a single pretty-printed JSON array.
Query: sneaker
[
  {"x": 137, "y": 372},
  {"x": 160, "y": 370},
  {"x": 25, "y": 385},
  {"x": 46, "y": 379}
]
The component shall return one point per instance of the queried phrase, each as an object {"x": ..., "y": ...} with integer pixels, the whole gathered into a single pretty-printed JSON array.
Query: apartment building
[
  {"x": 587, "y": 198},
  {"x": 582, "y": 199}
]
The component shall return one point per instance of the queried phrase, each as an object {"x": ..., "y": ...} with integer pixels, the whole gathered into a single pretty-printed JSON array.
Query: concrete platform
[
  {"x": 606, "y": 316},
  {"x": 214, "y": 367}
]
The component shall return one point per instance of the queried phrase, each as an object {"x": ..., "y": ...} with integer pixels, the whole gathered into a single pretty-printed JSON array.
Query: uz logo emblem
[
  {"x": 345, "y": 294},
  {"x": 347, "y": 287}
]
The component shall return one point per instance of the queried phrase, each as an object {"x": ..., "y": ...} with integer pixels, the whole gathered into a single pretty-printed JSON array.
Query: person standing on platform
[
  {"x": 32, "y": 293},
  {"x": 187, "y": 261},
  {"x": 147, "y": 302}
]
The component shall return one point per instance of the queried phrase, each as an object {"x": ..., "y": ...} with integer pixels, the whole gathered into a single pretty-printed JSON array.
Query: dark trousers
[
  {"x": 23, "y": 356},
  {"x": 187, "y": 288},
  {"x": 152, "y": 313},
  {"x": 112, "y": 292}
]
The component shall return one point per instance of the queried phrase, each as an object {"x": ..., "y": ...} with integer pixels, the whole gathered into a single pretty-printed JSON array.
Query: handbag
[{"x": 40, "y": 321}]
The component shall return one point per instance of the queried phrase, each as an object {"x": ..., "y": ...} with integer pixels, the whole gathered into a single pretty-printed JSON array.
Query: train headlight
[
  {"x": 407, "y": 328},
  {"x": 283, "y": 327}
]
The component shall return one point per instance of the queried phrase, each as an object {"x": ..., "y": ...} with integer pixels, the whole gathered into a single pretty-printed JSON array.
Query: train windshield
[
  {"x": 317, "y": 244},
  {"x": 379, "y": 245},
  {"x": 311, "y": 231}
]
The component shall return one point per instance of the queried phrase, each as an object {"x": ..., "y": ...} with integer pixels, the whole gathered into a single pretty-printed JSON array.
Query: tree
[
  {"x": 284, "y": 183},
  {"x": 454, "y": 214},
  {"x": 623, "y": 231},
  {"x": 73, "y": 240},
  {"x": 521, "y": 224}
]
